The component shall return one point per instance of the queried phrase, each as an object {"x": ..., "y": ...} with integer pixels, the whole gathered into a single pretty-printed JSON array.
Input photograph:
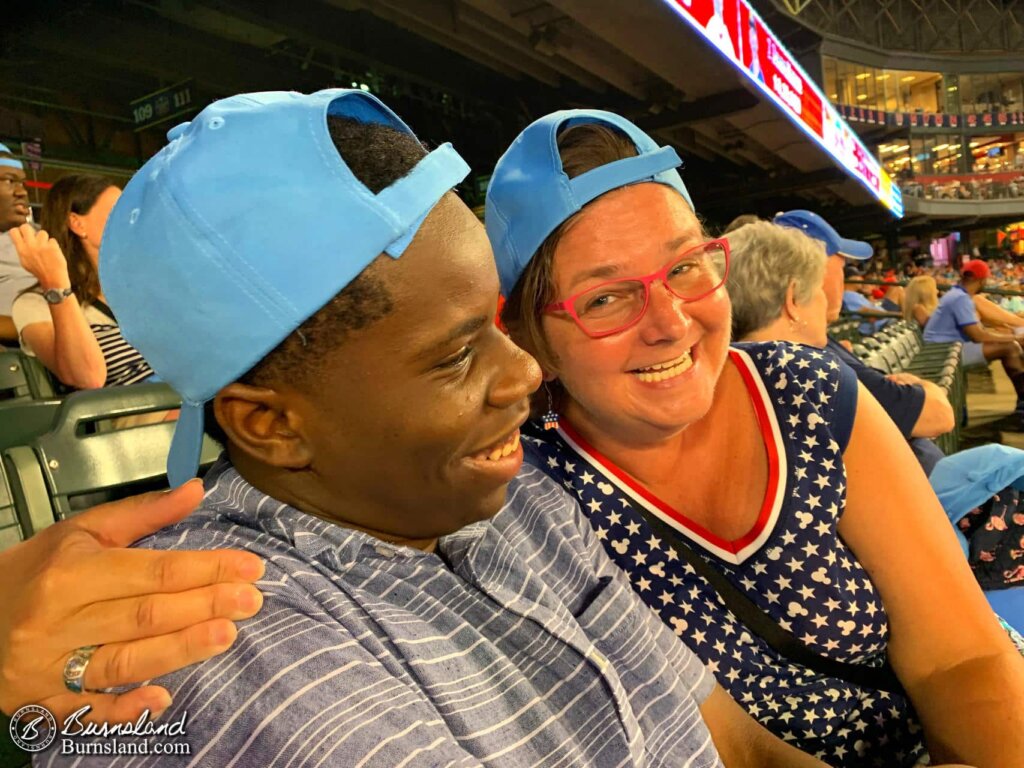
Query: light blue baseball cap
[
  {"x": 241, "y": 228},
  {"x": 815, "y": 226},
  {"x": 530, "y": 195},
  {"x": 9, "y": 162}
]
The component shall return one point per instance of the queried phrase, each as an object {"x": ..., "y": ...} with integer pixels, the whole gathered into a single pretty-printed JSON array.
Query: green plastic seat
[
  {"x": 83, "y": 461},
  {"x": 22, "y": 421},
  {"x": 13, "y": 379},
  {"x": 22, "y": 377},
  {"x": 10, "y": 527}
]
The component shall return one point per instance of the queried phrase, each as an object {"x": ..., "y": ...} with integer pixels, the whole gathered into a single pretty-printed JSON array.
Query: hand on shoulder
[{"x": 76, "y": 584}]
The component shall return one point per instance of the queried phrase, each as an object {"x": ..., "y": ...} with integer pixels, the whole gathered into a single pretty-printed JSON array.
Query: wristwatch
[{"x": 56, "y": 295}]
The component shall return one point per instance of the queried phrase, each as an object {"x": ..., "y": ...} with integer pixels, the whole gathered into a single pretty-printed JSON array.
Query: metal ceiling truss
[{"x": 924, "y": 26}]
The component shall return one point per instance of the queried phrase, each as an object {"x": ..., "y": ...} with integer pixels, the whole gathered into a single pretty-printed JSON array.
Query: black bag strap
[
  {"x": 784, "y": 643},
  {"x": 102, "y": 307}
]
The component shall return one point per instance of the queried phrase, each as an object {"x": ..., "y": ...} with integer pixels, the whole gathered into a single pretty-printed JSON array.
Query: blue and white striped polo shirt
[{"x": 521, "y": 645}]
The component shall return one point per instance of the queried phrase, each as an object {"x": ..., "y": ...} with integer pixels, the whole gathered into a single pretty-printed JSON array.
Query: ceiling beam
[
  {"x": 698, "y": 110},
  {"x": 786, "y": 184}
]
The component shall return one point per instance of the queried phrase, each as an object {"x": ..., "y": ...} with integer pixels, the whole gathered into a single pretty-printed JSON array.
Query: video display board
[{"x": 737, "y": 31}]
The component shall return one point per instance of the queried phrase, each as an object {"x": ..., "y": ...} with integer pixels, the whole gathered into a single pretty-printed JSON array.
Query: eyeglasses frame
[{"x": 566, "y": 305}]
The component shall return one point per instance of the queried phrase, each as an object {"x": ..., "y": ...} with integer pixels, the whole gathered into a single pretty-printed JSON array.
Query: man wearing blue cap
[
  {"x": 14, "y": 212},
  {"x": 919, "y": 408},
  {"x": 371, "y": 413}
]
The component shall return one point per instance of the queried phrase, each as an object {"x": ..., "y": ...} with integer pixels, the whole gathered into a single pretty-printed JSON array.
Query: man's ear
[{"x": 262, "y": 423}]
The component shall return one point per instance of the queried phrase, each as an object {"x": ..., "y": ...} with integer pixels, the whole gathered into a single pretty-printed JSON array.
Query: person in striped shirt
[
  {"x": 64, "y": 319},
  {"x": 426, "y": 602}
]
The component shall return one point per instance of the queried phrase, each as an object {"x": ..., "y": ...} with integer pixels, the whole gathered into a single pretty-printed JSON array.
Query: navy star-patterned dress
[{"x": 792, "y": 564}]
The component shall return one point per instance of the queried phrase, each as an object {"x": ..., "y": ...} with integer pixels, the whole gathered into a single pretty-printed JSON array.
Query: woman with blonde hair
[{"x": 920, "y": 298}]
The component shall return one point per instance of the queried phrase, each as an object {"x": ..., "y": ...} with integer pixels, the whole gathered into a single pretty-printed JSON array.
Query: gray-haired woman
[{"x": 776, "y": 283}]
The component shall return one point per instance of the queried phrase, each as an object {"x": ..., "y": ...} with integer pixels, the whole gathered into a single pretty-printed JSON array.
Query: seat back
[
  {"x": 85, "y": 460},
  {"x": 22, "y": 377},
  {"x": 22, "y": 421},
  {"x": 10, "y": 528},
  {"x": 13, "y": 380}
]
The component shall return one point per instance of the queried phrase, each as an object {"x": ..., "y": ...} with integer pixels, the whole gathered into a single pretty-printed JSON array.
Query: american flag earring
[{"x": 550, "y": 418}]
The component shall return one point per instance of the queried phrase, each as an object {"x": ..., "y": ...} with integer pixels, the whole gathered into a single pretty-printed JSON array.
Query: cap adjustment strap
[{"x": 594, "y": 183}]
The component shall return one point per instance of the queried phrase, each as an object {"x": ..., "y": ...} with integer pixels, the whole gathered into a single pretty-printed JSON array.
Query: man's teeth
[
  {"x": 506, "y": 449},
  {"x": 668, "y": 370}
]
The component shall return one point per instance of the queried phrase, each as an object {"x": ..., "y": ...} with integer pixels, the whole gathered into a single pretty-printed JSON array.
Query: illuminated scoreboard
[{"x": 735, "y": 29}]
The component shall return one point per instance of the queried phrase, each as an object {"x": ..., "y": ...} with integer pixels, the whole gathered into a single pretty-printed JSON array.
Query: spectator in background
[
  {"x": 956, "y": 319},
  {"x": 779, "y": 291},
  {"x": 64, "y": 320},
  {"x": 855, "y": 302},
  {"x": 740, "y": 221},
  {"x": 920, "y": 299},
  {"x": 14, "y": 211}
]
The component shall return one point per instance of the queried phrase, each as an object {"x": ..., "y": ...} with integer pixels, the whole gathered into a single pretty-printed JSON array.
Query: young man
[
  {"x": 345, "y": 347},
  {"x": 14, "y": 212},
  {"x": 919, "y": 408},
  {"x": 956, "y": 319}
]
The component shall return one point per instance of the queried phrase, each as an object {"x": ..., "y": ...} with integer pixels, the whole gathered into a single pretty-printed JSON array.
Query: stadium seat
[
  {"x": 21, "y": 421},
  {"x": 10, "y": 528},
  {"x": 13, "y": 379},
  {"x": 81, "y": 461},
  {"x": 22, "y": 377}
]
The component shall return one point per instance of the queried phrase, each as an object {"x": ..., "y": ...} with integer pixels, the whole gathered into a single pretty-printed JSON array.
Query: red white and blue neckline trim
[{"x": 735, "y": 551}]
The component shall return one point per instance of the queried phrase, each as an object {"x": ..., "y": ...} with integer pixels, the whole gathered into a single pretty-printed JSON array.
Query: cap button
[{"x": 215, "y": 123}]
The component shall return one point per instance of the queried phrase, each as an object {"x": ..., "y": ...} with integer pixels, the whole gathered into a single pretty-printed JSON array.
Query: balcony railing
[
  {"x": 973, "y": 187},
  {"x": 993, "y": 119}
]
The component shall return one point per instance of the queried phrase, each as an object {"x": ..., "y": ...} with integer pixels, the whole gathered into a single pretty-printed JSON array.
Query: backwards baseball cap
[
  {"x": 975, "y": 268},
  {"x": 530, "y": 195},
  {"x": 241, "y": 228},
  {"x": 9, "y": 162},
  {"x": 814, "y": 226}
]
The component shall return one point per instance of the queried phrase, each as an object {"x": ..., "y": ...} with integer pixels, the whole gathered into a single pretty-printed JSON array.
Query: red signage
[{"x": 735, "y": 29}]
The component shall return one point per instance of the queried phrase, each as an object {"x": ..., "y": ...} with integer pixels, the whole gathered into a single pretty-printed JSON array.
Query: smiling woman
[
  {"x": 424, "y": 603},
  {"x": 739, "y": 489}
]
